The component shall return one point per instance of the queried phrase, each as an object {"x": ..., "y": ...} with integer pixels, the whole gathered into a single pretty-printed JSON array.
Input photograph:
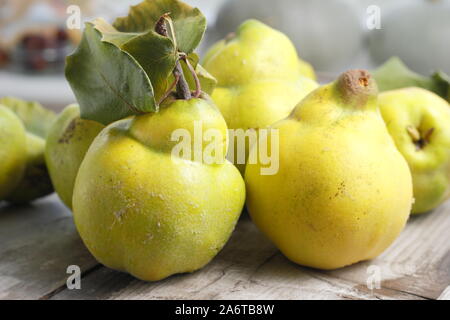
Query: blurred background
[{"x": 333, "y": 35}]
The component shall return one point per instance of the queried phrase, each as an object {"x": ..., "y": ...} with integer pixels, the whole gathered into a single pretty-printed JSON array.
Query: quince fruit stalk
[
  {"x": 260, "y": 77},
  {"x": 343, "y": 191},
  {"x": 419, "y": 123}
]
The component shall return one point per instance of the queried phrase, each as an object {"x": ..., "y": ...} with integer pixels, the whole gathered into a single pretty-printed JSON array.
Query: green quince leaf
[
  {"x": 394, "y": 74},
  {"x": 36, "y": 119},
  {"x": 111, "y": 34},
  {"x": 207, "y": 81},
  {"x": 109, "y": 83},
  {"x": 189, "y": 23},
  {"x": 443, "y": 83},
  {"x": 156, "y": 54}
]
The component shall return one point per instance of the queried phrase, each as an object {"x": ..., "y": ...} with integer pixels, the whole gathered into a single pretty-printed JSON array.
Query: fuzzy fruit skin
[
  {"x": 68, "y": 141},
  {"x": 255, "y": 52},
  {"x": 343, "y": 192},
  {"x": 307, "y": 70},
  {"x": 137, "y": 210},
  {"x": 260, "y": 77},
  {"x": 35, "y": 182},
  {"x": 430, "y": 165},
  {"x": 12, "y": 151},
  {"x": 36, "y": 120}
]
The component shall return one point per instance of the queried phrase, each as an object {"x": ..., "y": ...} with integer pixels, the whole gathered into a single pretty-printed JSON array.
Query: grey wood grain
[
  {"x": 37, "y": 243},
  {"x": 419, "y": 260},
  {"x": 40, "y": 241},
  {"x": 249, "y": 267},
  {"x": 445, "y": 295}
]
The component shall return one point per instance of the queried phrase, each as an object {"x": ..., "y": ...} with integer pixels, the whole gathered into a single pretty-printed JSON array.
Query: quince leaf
[
  {"x": 443, "y": 82},
  {"x": 109, "y": 83},
  {"x": 207, "y": 81},
  {"x": 36, "y": 119},
  {"x": 156, "y": 54},
  {"x": 394, "y": 74},
  {"x": 189, "y": 23},
  {"x": 111, "y": 34}
]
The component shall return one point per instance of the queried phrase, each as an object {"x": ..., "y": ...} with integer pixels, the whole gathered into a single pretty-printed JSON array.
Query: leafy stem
[
  {"x": 198, "y": 87},
  {"x": 183, "y": 91},
  {"x": 169, "y": 91}
]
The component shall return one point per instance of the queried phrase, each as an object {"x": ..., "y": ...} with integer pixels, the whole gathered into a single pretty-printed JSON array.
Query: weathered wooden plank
[
  {"x": 249, "y": 267},
  {"x": 37, "y": 243},
  {"x": 418, "y": 262},
  {"x": 445, "y": 295}
]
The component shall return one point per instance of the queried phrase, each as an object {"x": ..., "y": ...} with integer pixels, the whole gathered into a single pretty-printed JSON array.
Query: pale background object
[{"x": 331, "y": 34}]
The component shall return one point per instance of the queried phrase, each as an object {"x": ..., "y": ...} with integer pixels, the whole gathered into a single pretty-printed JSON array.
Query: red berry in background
[
  {"x": 61, "y": 36},
  {"x": 4, "y": 57},
  {"x": 36, "y": 62},
  {"x": 34, "y": 42}
]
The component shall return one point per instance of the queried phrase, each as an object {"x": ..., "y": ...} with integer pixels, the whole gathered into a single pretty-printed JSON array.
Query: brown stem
[
  {"x": 160, "y": 26},
  {"x": 420, "y": 140},
  {"x": 183, "y": 91},
  {"x": 198, "y": 86},
  {"x": 356, "y": 87}
]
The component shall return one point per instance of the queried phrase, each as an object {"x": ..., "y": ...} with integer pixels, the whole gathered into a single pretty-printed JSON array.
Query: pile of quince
[
  {"x": 142, "y": 158},
  {"x": 23, "y": 130}
]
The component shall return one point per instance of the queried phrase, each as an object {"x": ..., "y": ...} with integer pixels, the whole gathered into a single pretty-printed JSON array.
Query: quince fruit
[
  {"x": 260, "y": 78},
  {"x": 419, "y": 123}
]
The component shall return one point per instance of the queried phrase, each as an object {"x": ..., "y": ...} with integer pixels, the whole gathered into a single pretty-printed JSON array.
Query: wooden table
[{"x": 39, "y": 242}]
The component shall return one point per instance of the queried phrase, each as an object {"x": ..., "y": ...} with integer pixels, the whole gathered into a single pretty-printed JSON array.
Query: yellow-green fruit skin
[
  {"x": 12, "y": 151},
  {"x": 307, "y": 70},
  {"x": 140, "y": 210},
  {"x": 68, "y": 140},
  {"x": 342, "y": 193},
  {"x": 416, "y": 108},
  {"x": 36, "y": 181},
  {"x": 36, "y": 120},
  {"x": 260, "y": 77},
  {"x": 255, "y": 52}
]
